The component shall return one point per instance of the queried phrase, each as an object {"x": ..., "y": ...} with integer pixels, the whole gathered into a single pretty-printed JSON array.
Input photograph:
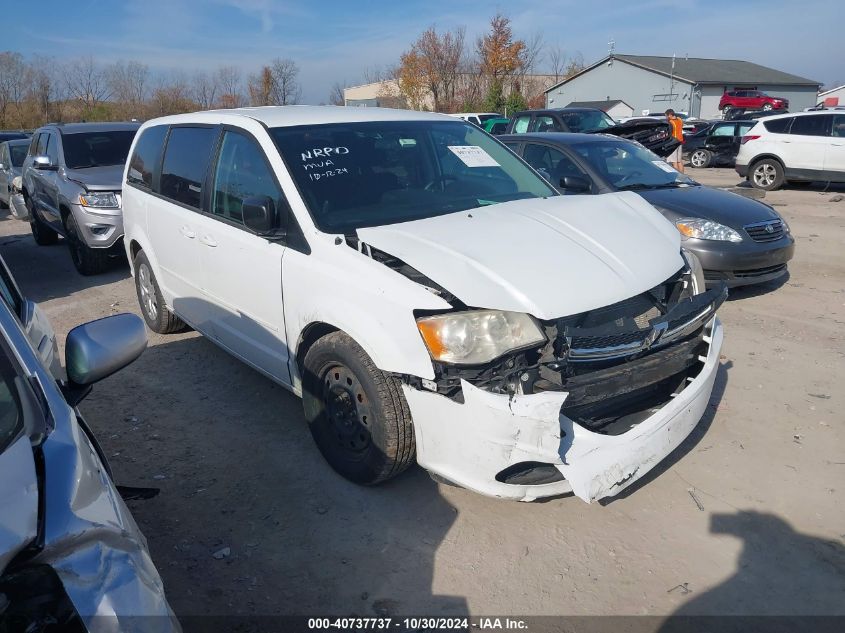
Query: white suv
[
  {"x": 427, "y": 294},
  {"x": 800, "y": 147}
]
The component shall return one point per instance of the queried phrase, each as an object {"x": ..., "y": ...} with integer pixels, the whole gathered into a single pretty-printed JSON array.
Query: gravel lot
[{"x": 747, "y": 517}]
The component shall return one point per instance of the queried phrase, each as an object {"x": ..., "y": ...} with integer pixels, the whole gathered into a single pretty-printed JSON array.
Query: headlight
[
  {"x": 702, "y": 229},
  {"x": 102, "y": 199},
  {"x": 469, "y": 338}
]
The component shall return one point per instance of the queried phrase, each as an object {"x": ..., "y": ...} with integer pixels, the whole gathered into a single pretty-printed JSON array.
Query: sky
[{"x": 337, "y": 41}]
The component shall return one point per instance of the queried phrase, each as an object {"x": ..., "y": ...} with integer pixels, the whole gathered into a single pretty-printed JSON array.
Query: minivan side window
[
  {"x": 242, "y": 172},
  {"x": 185, "y": 164},
  {"x": 147, "y": 152},
  {"x": 778, "y": 126},
  {"x": 813, "y": 125}
]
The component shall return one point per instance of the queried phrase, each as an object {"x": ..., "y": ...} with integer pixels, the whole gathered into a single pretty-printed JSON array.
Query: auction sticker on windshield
[
  {"x": 664, "y": 166},
  {"x": 473, "y": 156}
]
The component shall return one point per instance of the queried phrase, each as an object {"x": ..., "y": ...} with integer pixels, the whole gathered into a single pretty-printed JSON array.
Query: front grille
[{"x": 769, "y": 231}]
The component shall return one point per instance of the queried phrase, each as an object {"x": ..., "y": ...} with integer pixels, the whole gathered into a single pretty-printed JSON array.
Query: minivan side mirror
[
  {"x": 97, "y": 349},
  {"x": 43, "y": 163},
  {"x": 259, "y": 213},
  {"x": 575, "y": 184}
]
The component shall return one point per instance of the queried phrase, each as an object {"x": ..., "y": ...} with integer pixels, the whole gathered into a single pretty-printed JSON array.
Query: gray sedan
[
  {"x": 739, "y": 241},
  {"x": 71, "y": 556}
]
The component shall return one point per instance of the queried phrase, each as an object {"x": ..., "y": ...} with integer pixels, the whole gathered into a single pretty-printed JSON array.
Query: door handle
[
  {"x": 208, "y": 241},
  {"x": 187, "y": 232}
]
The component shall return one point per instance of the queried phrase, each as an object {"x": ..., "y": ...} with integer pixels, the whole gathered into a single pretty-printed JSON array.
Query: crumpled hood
[
  {"x": 548, "y": 257},
  {"x": 107, "y": 178}
]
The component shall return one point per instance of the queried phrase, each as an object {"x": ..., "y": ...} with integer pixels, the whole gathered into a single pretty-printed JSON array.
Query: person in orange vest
[{"x": 678, "y": 134}]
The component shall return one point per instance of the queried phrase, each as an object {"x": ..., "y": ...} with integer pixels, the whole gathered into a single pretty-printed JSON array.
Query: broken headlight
[
  {"x": 696, "y": 269},
  {"x": 477, "y": 336}
]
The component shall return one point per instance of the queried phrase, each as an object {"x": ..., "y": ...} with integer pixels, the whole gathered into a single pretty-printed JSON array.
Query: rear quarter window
[
  {"x": 185, "y": 164},
  {"x": 145, "y": 157},
  {"x": 778, "y": 126}
]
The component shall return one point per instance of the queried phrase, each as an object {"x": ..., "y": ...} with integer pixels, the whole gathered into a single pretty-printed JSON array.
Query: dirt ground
[{"x": 747, "y": 517}]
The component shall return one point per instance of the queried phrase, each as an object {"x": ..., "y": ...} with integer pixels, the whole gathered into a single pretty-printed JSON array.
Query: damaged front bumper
[{"x": 522, "y": 447}]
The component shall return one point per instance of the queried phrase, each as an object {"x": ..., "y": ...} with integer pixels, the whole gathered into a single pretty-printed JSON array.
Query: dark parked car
[
  {"x": 717, "y": 145},
  {"x": 655, "y": 134},
  {"x": 751, "y": 100},
  {"x": 12, "y": 136},
  {"x": 738, "y": 240}
]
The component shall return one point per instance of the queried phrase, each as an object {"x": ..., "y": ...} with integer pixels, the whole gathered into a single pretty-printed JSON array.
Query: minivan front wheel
[
  {"x": 156, "y": 313},
  {"x": 766, "y": 174},
  {"x": 357, "y": 414}
]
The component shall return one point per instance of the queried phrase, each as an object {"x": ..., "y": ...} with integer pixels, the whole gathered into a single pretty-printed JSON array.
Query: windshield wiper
[{"x": 641, "y": 185}]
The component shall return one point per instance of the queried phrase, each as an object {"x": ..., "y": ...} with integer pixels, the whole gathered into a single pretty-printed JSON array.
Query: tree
[
  {"x": 336, "y": 96},
  {"x": 12, "y": 69},
  {"x": 86, "y": 82},
  {"x": 286, "y": 88},
  {"x": 275, "y": 84},
  {"x": 432, "y": 65},
  {"x": 204, "y": 89},
  {"x": 229, "y": 80},
  {"x": 500, "y": 56},
  {"x": 411, "y": 80}
]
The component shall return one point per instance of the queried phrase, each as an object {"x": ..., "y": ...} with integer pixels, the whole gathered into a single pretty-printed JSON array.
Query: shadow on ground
[{"x": 47, "y": 272}]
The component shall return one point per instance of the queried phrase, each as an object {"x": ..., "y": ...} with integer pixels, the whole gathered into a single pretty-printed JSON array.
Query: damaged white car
[{"x": 429, "y": 296}]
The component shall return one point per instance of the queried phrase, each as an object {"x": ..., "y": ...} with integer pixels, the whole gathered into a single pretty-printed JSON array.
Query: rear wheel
[
  {"x": 700, "y": 158},
  {"x": 156, "y": 313},
  {"x": 41, "y": 233},
  {"x": 357, "y": 414},
  {"x": 87, "y": 260},
  {"x": 766, "y": 174},
  {"x": 727, "y": 109}
]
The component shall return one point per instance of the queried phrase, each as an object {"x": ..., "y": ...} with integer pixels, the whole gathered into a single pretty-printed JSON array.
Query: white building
[
  {"x": 652, "y": 84},
  {"x": 614, "y": 108}
]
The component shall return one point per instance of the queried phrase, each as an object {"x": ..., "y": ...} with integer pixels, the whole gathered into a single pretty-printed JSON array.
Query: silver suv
[{"x": 71, "y": 185}]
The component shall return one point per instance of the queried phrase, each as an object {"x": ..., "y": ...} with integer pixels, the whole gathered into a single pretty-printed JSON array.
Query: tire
[
  {"x": 766, "y": 174},
  {"x": 357, "y": 414},
  {"x": 767, "y": 107},
  {"x": 700, "y": 158},
  {"x": 156, "y": 313},
  {"x": 727, "y": 109},
  {"x": 41, "y": 233},
  {"x": 88, "y": 261}
]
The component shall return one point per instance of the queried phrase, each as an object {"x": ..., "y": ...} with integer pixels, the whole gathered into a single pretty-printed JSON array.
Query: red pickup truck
[{"x": 751, "y": 100}]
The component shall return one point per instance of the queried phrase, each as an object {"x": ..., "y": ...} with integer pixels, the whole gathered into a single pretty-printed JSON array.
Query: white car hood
[{"x": 548, "y": 257}]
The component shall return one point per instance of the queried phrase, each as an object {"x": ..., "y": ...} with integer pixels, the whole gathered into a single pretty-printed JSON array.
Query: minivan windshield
[
  {"x": 355, "y": 175},
  {"x": 630, "y": 166},
  {"x": 96, "y": 149}
]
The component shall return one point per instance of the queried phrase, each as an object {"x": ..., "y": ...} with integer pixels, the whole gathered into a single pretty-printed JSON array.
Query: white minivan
[
  {"x": 800, "y": 147},
  {"x": 428, "y": 295}
]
